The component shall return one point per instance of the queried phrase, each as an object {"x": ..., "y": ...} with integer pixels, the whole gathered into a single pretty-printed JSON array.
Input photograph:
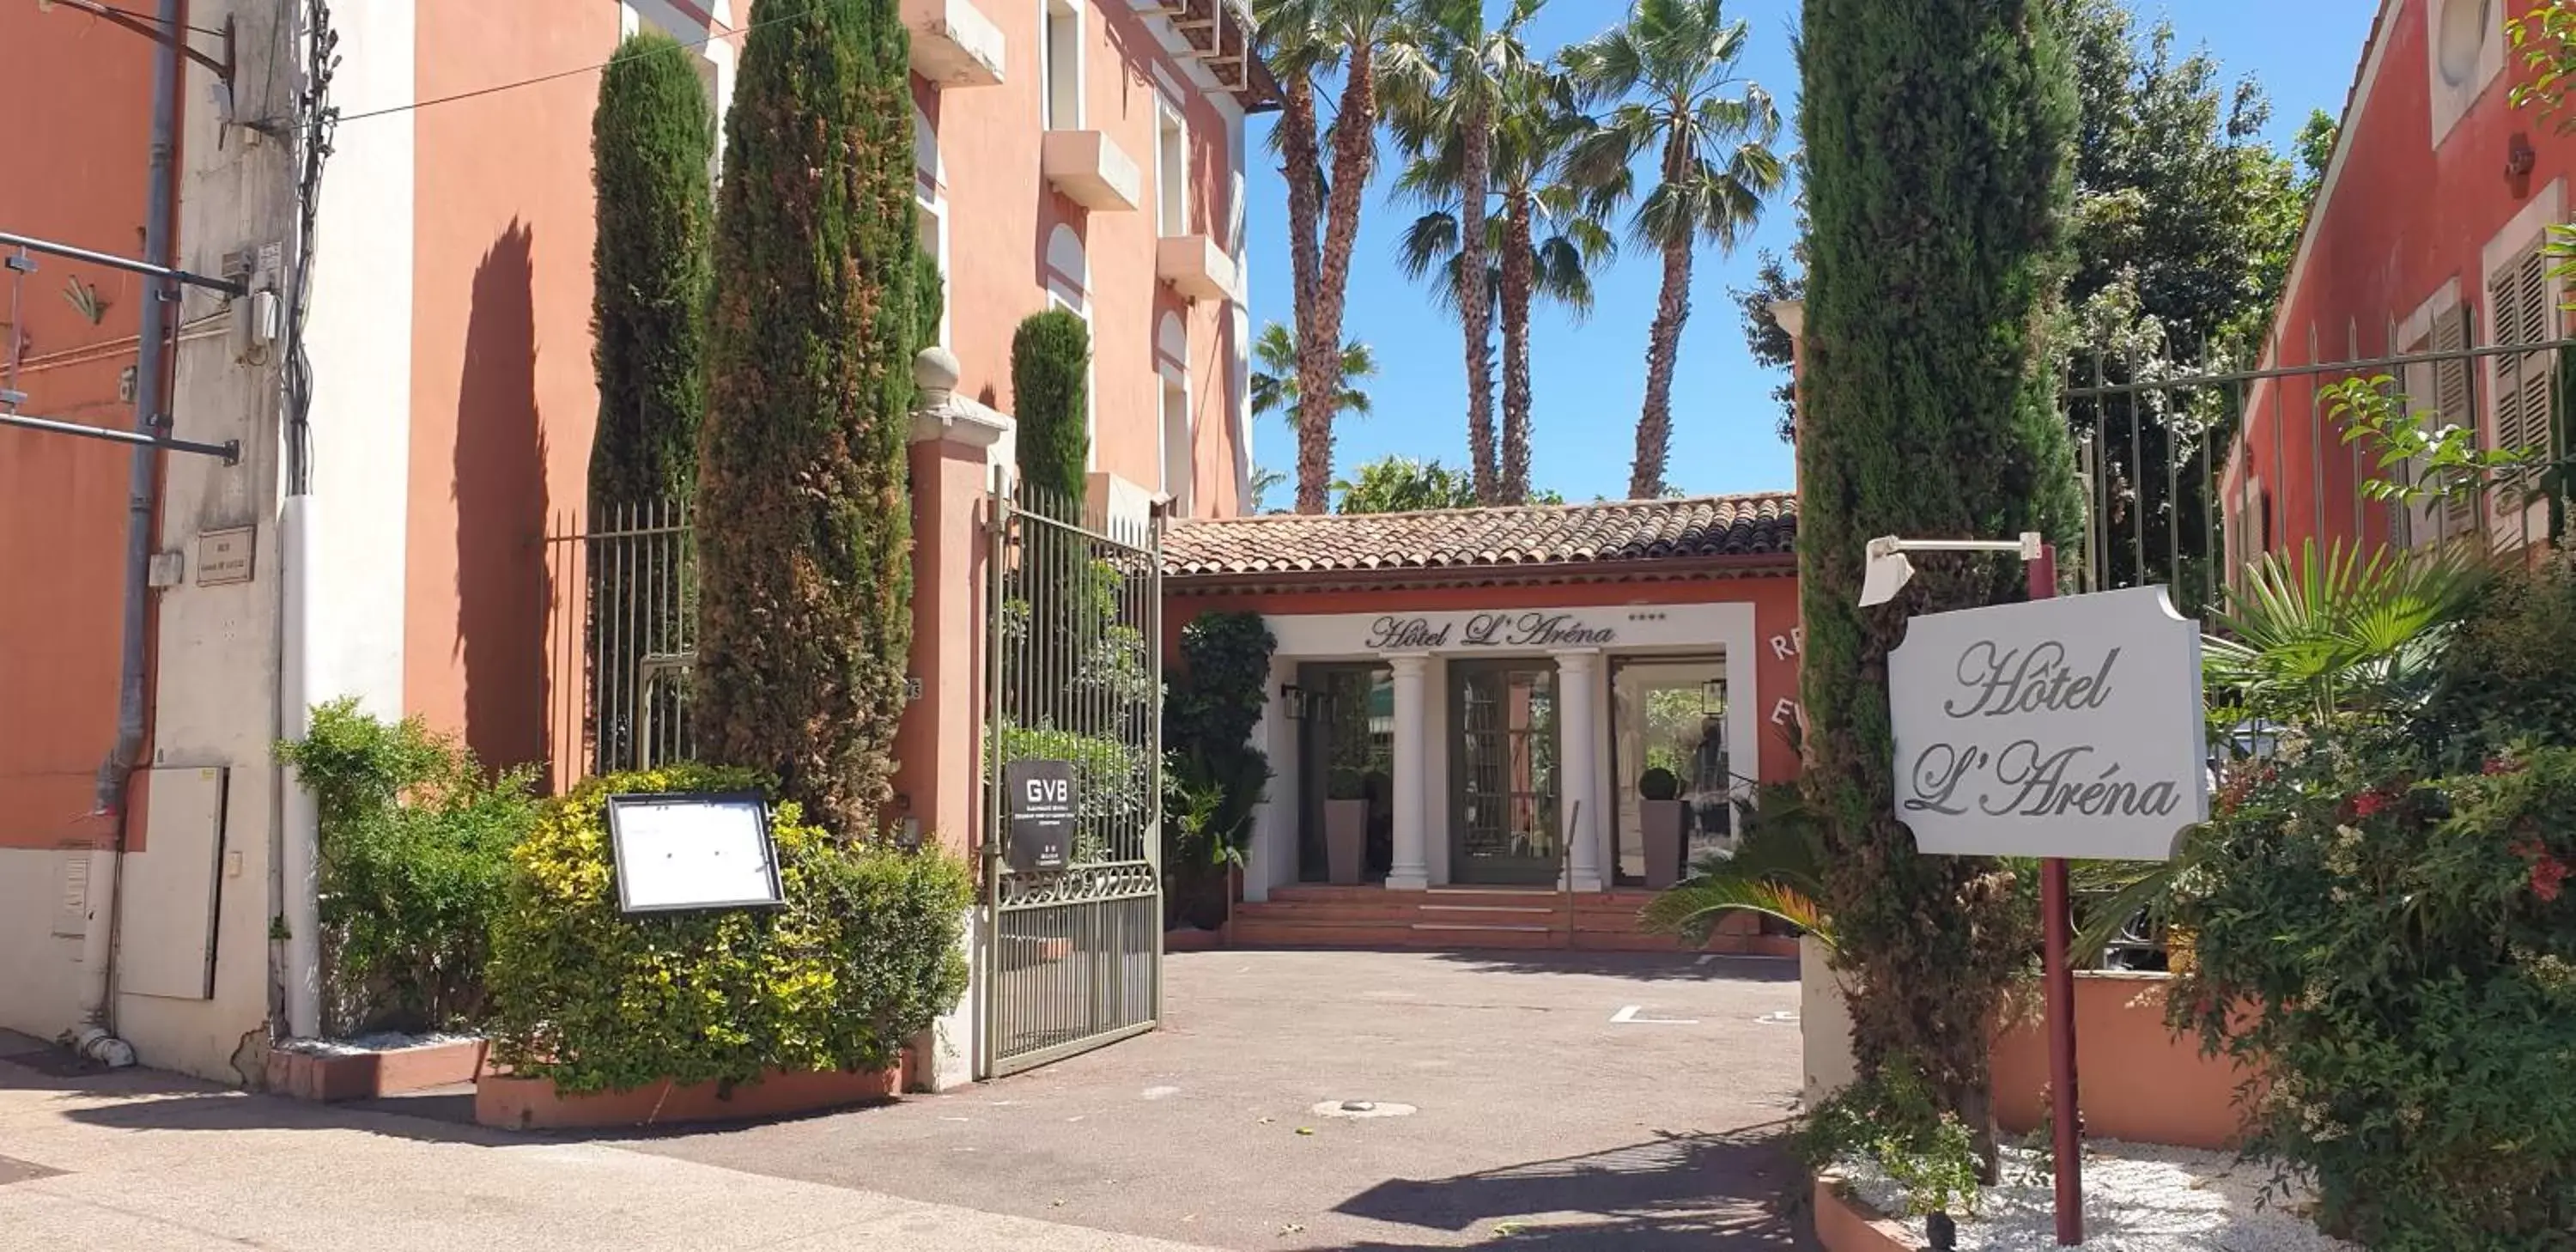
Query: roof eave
[{"x": 1734, "y": 565}]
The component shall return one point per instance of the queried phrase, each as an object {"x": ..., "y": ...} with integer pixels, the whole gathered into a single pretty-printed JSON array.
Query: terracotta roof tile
[{"x": 1509, "y": 536}]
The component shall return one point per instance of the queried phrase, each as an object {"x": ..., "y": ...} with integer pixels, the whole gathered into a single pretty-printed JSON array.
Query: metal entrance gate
[{"x": 1072, "y": 957}]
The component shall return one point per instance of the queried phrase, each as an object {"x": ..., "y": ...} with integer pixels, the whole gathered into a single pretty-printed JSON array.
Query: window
[
  {"x": 1171, "y": 172},
  {"x": 2464, "y": 50},
  {"x": 1062, "y": 73},
  {"x": 2522, "y": 308},
  {"x": 2440, "y": 392},
  {"x": 1179, "y": 460}
]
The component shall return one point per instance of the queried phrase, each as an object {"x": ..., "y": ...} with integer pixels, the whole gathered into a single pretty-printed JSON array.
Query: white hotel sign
[{"x": 2066, "y": 728}]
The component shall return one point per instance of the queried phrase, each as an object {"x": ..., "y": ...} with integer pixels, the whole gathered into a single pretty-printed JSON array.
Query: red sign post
[{"x": 2058, "y": 976}]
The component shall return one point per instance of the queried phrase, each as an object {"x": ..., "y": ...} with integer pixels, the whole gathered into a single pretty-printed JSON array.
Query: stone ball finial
[{"x": 934, "y": 369}]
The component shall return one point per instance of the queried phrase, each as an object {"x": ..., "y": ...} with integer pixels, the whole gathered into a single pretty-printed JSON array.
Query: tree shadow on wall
[{"x": 500, "y": 491}]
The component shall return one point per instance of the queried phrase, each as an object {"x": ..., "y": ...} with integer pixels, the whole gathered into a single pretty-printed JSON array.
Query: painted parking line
[{"x": 1627, "y": 1016}]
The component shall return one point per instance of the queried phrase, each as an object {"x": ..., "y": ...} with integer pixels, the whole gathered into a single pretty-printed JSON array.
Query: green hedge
[
  {"x": 864, "y": 954},
  {"x": 415, "y": 850}
]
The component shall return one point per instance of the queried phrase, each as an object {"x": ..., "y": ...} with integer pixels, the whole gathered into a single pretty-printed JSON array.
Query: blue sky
[{"x": 1589, "y": 376}]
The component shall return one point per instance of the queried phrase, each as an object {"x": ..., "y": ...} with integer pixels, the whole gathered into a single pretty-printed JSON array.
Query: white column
[
  {"x": 1411, "y": 870},
  {"x": 1578, "y": 696}
]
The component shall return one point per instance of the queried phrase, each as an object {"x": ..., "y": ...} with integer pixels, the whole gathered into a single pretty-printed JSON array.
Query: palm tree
[
  {"x": 1709, "y": 132},
  {"x": 1470, "y": 60},
  {"x": 1274, "y": 376},
  {"x": 1369, "y": 41},
  {"x": 1544, "y": 241}
]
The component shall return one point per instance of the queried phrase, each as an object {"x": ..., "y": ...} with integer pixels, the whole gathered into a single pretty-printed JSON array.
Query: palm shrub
[
  {"x": 415, "y": 848},
  {"x": 864, "y": 954},
  {"x": 804, "y": 519},
  {"x": 1937, "y": 140},
  {"x": 1777, "y": 871}
]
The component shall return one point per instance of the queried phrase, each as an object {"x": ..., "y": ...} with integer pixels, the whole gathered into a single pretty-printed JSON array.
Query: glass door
[
  {"x": 1346, "y": 772},
  {"x": 1670, "y": 774},
  {"x": 1503, "y": 773}
]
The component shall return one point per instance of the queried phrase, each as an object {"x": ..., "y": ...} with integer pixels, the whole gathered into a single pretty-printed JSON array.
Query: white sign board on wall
[{"x": 2069, "y": 727}]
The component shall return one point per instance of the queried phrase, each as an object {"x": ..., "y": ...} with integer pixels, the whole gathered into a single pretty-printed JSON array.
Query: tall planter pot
[
  {"x": 1345, "y": 840},
  {"x": 1663, "y": 821}
]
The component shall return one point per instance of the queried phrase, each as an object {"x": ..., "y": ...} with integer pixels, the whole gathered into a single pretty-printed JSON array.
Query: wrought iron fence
[
  {"x": 637, "y": 635},
  {"x": 2191, "y": 472},
  {"x": 1074, "y": 674}
]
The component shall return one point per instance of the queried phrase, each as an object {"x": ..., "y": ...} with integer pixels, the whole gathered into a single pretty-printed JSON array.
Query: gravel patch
[
  {"x": 381, "y": 1041},
  {"x": 2137, "y": 1198}
]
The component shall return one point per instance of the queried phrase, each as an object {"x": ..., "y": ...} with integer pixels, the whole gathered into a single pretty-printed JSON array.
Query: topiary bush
[
  {"x": 415, "y": 851},
  {"x": 863, "y": 955},
  {"x": 1050, "y": 384}
]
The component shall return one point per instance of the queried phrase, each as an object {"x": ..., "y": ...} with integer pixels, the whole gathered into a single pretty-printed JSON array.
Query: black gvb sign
[
  {"x": 2068, "y": 728},
  {"x": 1041, "y": 799}
]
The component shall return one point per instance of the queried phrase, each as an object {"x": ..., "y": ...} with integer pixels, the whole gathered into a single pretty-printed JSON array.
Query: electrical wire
[
  {"x": 497, "y": 88},
  {"x": 155, "y": 19}
]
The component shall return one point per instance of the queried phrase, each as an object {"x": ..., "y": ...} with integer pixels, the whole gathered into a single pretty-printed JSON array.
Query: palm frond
[
  {"x": 2337, "y": 631},
  {"x": 1693, "y": 907}
]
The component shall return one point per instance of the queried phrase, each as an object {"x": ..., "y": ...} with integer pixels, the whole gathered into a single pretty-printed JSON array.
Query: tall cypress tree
[
  {"x": 1938, "y": 141},
  {"x": 803, "y": 533},
  {"x": 650, "y": 142}
]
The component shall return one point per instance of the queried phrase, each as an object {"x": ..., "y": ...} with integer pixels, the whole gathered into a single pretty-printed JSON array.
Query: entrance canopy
[{"x": 1512, "y": 696}]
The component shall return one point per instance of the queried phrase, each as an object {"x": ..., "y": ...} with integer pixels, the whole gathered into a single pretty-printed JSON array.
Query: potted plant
[
  {"x": 1346, "y": 810},
  {"x": 1662, "y": 814}
]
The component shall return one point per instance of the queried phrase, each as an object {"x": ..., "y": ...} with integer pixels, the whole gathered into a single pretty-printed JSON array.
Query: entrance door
[
  {"x": 1503, "y": 773},
  {"x": 1668, "y": 719},
  {"x": 1345, "y": 753}
]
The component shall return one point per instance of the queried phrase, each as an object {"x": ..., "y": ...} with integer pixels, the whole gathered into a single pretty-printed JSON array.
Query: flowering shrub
[
  {"x": 863, "y": 955},
  {"x": 2396, "y": 949}
]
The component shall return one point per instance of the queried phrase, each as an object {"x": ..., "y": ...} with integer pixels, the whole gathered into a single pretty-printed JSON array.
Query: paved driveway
[{"x": 1561, "y": 1102}]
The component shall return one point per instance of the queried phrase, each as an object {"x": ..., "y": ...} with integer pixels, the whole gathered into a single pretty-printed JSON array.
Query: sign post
[
  {"x": 2066, "y": 1146},
  {"x": 2063, "y": 728}
]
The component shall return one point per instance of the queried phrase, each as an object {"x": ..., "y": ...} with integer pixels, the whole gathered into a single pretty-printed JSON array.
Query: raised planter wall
[
  {"x": 367, "y": 1075},
  {"x": 534, "y": 1104},
  {"x": 2135, "y": 1079},
  {"x": 1847, "y": 1225}
]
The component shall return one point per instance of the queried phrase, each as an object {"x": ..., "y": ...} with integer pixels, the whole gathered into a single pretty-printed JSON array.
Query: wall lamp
[{"x": 1888, "y": 571}]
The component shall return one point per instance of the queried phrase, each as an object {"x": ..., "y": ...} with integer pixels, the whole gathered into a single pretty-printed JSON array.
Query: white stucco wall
[{"x": 1643, "y": 630}]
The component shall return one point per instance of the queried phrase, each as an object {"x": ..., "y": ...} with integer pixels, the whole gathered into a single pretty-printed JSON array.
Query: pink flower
[
  {"x": 2546, "y": 875},
  {"x": 2501, "y": 765},
  {"x": 2369, "y": 802}
]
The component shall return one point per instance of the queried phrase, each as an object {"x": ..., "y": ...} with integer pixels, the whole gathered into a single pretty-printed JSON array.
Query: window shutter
[
  {"x": 2452, "y": 397},
  {"x": 2525, "y": 314}
]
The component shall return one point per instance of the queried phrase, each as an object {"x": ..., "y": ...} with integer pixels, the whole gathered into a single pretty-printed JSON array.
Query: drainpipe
[
  {"x": 300, "y": 857},
  {"x": 93, "y": 1036}
]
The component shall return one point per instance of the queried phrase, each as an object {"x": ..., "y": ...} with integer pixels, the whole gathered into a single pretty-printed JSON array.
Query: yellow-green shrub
[{"x": 863, "y": 955}]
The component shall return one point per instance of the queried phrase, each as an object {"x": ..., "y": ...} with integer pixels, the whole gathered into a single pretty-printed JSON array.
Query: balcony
[
  {"x": 1090, "y": 170},
  {"x": 953, "y": 43},
  {"x": 1194, "y": 266}
]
